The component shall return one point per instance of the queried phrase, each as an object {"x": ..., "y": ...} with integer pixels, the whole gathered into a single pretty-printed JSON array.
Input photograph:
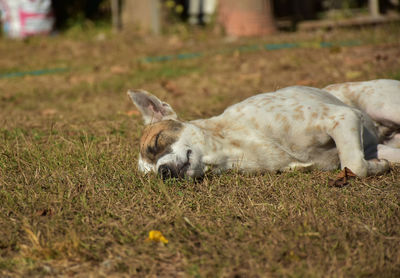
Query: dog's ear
[{"x": 153, "y": 110}]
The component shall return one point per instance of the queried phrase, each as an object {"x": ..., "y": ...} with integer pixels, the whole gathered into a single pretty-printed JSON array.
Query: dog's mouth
[
  {"x": 167, "y": 172},
  {"x": 185, "y": 166}
]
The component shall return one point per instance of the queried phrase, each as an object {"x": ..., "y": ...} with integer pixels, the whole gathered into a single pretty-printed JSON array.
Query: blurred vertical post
[
  {"x": 143, "y": 14},
  {"x": 116, "y": 6},
  {"x": 247, "y": 18},
  {"x": 373, "y": 8}
]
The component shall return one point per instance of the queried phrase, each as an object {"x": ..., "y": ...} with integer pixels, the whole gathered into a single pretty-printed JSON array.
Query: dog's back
[{"x": 380, "y": 99}]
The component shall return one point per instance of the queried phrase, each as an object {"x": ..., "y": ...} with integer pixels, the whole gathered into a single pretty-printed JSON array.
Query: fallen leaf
[
  {"x": 76, "y": 79},
  {"x": 49, "y": 112},
  {"x": 250, "y": 76},
  {"x": 172, "y": 88},
  {"x": 381, "y": 57},
  {"x": 119, "y": 69},
  {"x": 7, "y": 97},
  {"x": 44, "y": 212},
  {"x": 305, "y": 82},
  {"x": 132, "y": 112},
  {"x": 206, "y": 92},
  {"x": 175, "y": 41},
  {"x": 156, "y": 236},
  {"x": 342, "y": 178}
]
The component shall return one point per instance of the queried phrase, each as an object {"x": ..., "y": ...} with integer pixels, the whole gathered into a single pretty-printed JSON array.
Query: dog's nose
[{"x": 166, "y": 172}]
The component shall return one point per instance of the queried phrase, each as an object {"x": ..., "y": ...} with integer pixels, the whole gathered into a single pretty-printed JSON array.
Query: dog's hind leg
[
  {"x": 389, "y": 153},
  {"x": 347, "y": 130}
]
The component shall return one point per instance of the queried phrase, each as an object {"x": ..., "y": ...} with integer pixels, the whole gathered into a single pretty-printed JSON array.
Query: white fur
[
  {"x": 380, "y": 99},
  {"x": 292, "y": 128}
]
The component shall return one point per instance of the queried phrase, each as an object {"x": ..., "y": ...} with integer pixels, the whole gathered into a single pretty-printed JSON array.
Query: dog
[{"x": 354, "y": 125}]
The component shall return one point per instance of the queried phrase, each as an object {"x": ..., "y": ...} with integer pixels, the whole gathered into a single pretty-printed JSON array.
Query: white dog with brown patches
[{"x": 292, "y": 128}]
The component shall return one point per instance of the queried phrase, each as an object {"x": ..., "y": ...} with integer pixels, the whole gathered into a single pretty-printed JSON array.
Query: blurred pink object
[
  {"x": 247, "y": 18},
  {"x": 23, "y": 18}
]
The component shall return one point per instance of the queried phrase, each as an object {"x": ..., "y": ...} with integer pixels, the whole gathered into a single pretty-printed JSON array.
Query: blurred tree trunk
[
  {"x": 116, "y": 6},
  {"x": 144, "y": 14},
  {"x": 373, "y": 8},
  {"x": 247, "y": 18}
]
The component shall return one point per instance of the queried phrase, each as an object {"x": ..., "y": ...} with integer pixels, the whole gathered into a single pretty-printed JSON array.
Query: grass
[{"x": 73, "y": 202}]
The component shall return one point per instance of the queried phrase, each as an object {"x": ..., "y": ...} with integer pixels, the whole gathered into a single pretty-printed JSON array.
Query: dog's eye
[
  {"x": 156, "y": 147},
  {"x": 156, "y": 140},
  {"x": 151, "y": 150}
]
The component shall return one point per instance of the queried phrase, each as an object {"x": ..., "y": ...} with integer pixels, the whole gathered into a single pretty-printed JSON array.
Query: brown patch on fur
[
  {"x": 325, "y": 111},
  {"x": 235, "y": 143},
  {"x": 299, "y": 108},
  {"x": 157, "y": 139},
  {"x": 254, "y": 121},
  {"x": 335, "y": 125},
  {"x": 299, "y": 116},
  {"x": 286, "y": 127},
  {"x": 217, "y": 129},
  {"x": 310, "y": 129}
]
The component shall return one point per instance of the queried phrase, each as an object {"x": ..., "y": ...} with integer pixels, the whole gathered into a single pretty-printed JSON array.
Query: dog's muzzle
[{"x": 171, "y": 171}]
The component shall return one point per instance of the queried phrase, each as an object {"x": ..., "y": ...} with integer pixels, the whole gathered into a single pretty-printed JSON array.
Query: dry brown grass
[{"x": 73, "y": 203}]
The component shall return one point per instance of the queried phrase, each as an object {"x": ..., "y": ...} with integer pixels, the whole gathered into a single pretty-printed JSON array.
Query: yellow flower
[{"x": 156, "y": 236}]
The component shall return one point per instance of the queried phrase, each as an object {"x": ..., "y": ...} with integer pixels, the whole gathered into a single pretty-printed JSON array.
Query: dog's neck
[{"x": 218, "y": 147}]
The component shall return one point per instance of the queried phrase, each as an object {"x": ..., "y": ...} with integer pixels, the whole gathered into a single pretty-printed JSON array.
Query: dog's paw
[{"x": 378, "y": 166}]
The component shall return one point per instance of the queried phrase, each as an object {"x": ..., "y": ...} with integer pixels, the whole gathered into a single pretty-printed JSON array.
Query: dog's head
[{"x": 169, "y": 147}]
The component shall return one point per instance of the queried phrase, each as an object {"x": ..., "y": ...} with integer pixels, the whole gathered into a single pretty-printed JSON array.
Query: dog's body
[
  {"x": 380, "y": 99},
  {"x": 295, "y": 127}
]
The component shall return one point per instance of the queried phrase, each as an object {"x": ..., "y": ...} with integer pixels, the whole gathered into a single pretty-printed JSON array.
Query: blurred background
[
  {"x": 22, "y": 18},
  {"x": 168, "y": 46}
]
